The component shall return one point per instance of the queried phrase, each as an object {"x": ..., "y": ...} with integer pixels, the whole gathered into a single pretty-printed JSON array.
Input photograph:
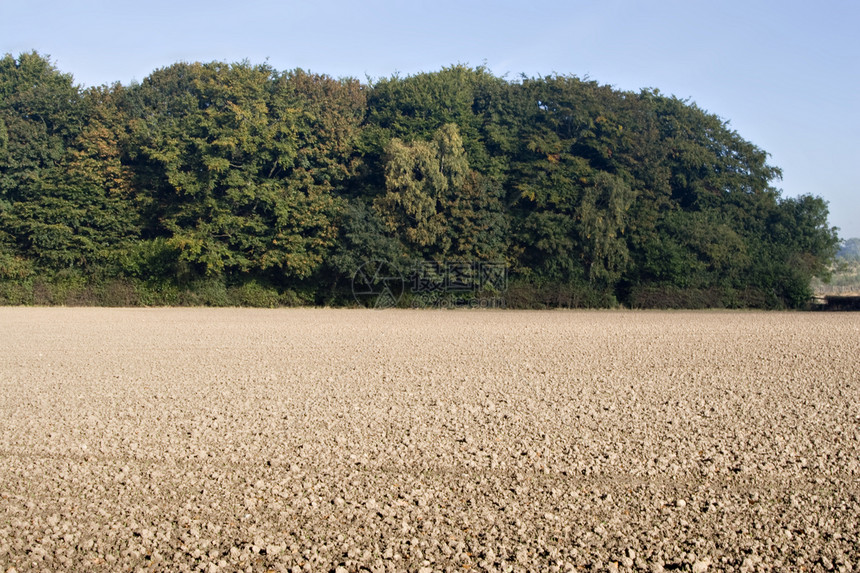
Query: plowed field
[{"x": 350, "y": 440}]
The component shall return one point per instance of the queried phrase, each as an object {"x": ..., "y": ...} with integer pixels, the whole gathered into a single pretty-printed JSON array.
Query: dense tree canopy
[{"x": 244, "y": 177}]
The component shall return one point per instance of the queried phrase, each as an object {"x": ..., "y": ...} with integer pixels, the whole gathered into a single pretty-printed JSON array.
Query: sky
[{"x": 785, "y": 74}]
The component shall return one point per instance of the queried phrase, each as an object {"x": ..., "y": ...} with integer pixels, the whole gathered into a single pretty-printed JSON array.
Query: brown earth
[{"x": 347, "y": 440}]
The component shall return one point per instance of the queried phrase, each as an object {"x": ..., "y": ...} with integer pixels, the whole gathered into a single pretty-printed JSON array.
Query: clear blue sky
[{"x": 785, "y": 73}]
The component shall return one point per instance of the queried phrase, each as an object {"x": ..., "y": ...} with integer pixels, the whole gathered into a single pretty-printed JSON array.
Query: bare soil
[{"x": 348, "y": 440}]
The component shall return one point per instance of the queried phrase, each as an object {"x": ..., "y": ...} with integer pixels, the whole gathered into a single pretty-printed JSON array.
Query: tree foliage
[
  {"x": 237, "y": 164},
  {"x": 239, "y": 174}
]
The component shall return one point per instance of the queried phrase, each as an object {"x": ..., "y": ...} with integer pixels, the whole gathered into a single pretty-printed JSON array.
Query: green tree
[
  {"x": 571, "y": 193},
  {"x": 56, "y": 210},
  {"x": 438, "y": 205},
  {"x": 416, "y": 107},
  {"x": 419, "y": 176},
  {"x": 239, "y": 164},
  {"x": 362, "y": 237},
  {"x": 799, "y": 245},
  {"x": 601, "y": 222},
  {"x": 40, "y": 113}
]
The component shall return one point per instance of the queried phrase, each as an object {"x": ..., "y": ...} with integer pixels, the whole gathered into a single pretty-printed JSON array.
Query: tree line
[{"x": 217, "y": 183}]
